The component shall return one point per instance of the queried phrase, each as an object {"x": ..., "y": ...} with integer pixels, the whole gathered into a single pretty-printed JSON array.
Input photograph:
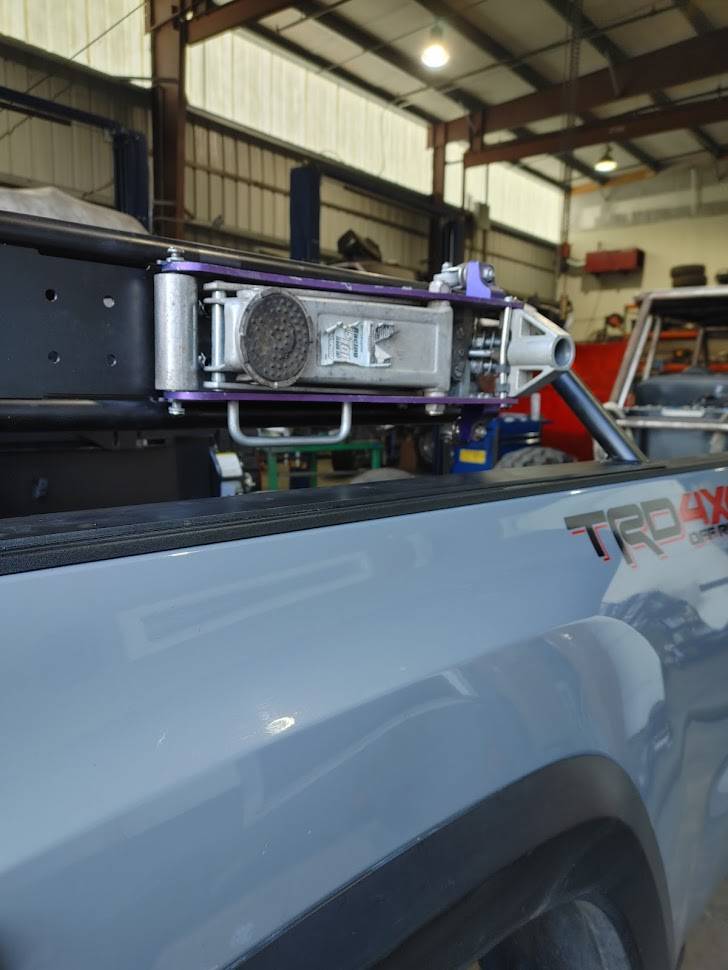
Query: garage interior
[{"x": 580, "y": 147}]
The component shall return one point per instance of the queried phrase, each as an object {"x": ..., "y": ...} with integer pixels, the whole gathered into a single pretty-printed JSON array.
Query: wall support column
[{"x": 168, "y": 30}]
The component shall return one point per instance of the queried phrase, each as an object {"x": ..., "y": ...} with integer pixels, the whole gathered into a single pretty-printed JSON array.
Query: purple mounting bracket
[
  {"x": 474, "y": 283},
  {"x": 340, "y": 286},
  {"x": 484, "y": 403}
]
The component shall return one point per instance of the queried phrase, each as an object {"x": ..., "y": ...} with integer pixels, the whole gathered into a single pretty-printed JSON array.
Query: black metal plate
[
  {"x": 63, "y": 476},
  {"x": 72, "y": 328}
]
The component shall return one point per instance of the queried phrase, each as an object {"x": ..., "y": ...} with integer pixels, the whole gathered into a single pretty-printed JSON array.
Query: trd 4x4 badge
[{"x": 655, "y": 523}]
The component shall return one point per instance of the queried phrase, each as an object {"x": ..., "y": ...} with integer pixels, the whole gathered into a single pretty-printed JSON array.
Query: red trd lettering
[
  {"x": 655, "y": 523},
  {"x": 716, "y": 502},
  {"x": 692, "y": 508}
]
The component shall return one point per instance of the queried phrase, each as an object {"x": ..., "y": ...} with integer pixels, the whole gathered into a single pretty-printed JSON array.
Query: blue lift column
[{"x": 305, "y": 213}]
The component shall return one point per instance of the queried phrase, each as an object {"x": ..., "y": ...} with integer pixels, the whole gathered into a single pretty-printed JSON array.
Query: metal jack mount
[
  {"x": 324, "y": 341},
  {"x": 285, "y": 343}
]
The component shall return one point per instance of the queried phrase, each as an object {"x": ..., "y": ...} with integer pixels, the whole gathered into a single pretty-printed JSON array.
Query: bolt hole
[
  {"x": 51, "y": 295},
  {"x": 54, "y": 357},
  {"x": 108, "y": 302},
  {"x": 111, "y": 360}
]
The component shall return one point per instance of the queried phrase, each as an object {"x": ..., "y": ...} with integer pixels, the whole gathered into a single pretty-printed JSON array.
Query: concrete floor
[{"x": 707, "y": 945}]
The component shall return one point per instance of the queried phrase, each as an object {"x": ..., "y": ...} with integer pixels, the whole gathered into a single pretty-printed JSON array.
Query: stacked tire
[
  {"x": 532, "y": 456},
  {"x": 689, "y": 274}
]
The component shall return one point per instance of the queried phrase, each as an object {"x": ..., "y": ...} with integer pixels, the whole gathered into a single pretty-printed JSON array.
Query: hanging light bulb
[
  {"x": 607, "y": 162},
  {"x": 435, "y": 55}
]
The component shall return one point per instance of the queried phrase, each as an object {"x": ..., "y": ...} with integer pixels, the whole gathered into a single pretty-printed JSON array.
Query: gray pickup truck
[{"x": 429, "y": 723}]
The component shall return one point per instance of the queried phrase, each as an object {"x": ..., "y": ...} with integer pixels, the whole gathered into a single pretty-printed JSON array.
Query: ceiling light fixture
[
  {"x": 607, "y": 162},
  {"x": 435, "y": 54}
]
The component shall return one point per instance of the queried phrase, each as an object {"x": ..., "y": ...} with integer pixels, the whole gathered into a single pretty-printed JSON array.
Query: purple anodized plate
[{"x": 336, "y": 286}]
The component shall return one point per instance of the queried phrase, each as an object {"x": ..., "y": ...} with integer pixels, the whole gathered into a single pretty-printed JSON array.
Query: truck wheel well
[
  {"x": 571, "y": 833},
  {"x": 584, "y": 898},
  {"x": 577, "y": 934}
]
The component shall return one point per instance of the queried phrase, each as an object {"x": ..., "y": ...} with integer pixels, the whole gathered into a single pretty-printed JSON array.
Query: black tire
[
  {"x": 689, "y": 274},
  {"x": 688, "y": 269},
  {"x": 577, "y": 936},
  {"x": 531, "y": 457},
  {"x": 689, "y": 281}
]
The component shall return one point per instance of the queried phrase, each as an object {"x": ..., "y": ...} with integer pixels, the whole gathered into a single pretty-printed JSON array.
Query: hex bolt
[{"x": 487, "y": 272}]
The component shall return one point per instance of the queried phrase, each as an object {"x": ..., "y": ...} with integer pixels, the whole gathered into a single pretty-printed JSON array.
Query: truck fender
[{"x": 576, "y": 829}]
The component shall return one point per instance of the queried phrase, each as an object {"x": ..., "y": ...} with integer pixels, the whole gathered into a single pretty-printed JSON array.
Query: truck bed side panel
[{"x": 201, "y": 744}]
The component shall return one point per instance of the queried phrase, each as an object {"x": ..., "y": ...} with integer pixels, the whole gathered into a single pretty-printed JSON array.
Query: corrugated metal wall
[
  {"x": 237, "y": 183},
  {"x": 515, "y": 198},
  {"x": 394, "y": 228},
  {"x": 72, "y": 157},
  {"x": 524, "y": 267},
  {"x": 240, "y": 77},
  {"x": 107, "y": 35},
  {"x": 238, "y": 189}
]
